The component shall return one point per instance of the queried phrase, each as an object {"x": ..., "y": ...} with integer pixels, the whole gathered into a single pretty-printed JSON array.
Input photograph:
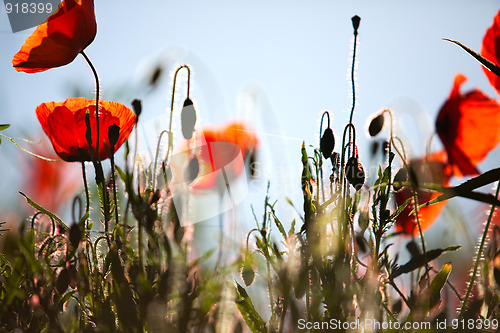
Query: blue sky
[{"x": 279, "y": 64}]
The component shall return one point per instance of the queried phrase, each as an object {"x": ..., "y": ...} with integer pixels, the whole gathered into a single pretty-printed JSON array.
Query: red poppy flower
[
  {"x": 469, "y": 127},
  {"x": 64, "y": 123},
  {"x": 57, "y": 41},
  {"x": 491, "y": 50},
  {"x": 434, "y": 170},
  {"x": 221, "y": 149}
]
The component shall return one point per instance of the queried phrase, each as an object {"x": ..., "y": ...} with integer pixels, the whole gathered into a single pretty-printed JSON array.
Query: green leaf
[
  {"x": 420, "y": 260},
  {"x": 485, "y": 62},
  {"x": 247, "y": 310},
  {"x": 438, "y": 283},
  {"x": 4, "y": 126},
  {"x": 43, "y": 210}
]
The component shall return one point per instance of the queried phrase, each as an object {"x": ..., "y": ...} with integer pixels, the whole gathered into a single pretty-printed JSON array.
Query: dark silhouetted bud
[
  {"x": 192, "y": 170},
  {"x": 113, "y": 134},
  {"x": 374, "y": 147},
  {"x": 355, "y": 173},
  {"x": 155, "y": 76},
  {"x": 75, "y": 235},
  {"x": 376, "y": 125},
  {"x": 327, "y": 143},
  {"x": 247, "y": 273},
  {"x": 188, "y": 119},
  {"x": 62, "y": 281},
  {"x": 355, "y": 23},
  {"x": 137, "y": 106},
  {"x": 155, "y": 196},
  {"x": 400, "y": 177}
]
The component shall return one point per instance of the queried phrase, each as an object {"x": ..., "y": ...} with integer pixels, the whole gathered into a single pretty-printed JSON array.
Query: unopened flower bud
[
  {"x": 192, "y": 170},
  {"x": 376, "y": 125},
  {"x": 137, "y": 106},
  {"x": 400, "y": 177},
  {"x": 327, "y": 143},
  {"x": 355, "y": 173},
  {"x": 188, "y": 119}
]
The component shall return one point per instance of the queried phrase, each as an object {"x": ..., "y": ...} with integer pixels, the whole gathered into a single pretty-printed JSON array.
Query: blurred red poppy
[
  {"x": 50, "y": 184},
  {"x": 221, "y": 150},
  {"x": 57, "y": 41},
  {"x": 64, "y": 124},
  {"x": 491, "y": 50},
  {"x": 432, "y": 169},
  {"x": 469, "y": 127}
]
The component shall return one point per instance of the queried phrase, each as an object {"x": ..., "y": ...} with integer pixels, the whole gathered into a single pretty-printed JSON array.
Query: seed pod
[
  {"x": 75, "y": 235},
  {"x": 327, "y": 143},
  {"x": 401, "y": 176},
  {"x": 113, "y": 134},
  {"x": 355, "y": 22},
  {"x": 355, "y": 173},
  {"x": 376, "y": 125},
  {"x": 192, "y": 170},
  {"x": 188, "y": 119}
]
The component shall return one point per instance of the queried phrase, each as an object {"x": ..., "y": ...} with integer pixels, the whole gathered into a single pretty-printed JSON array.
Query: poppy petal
[
  {"x": 57, "y": 41},
  {"x": 491, "y": 50},
  {"x": 469, "y": 127},
  {"x": 431, "y": 169}
]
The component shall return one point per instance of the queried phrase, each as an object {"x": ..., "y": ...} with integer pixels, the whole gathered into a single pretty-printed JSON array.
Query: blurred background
[{"x": 277, "y": 65}]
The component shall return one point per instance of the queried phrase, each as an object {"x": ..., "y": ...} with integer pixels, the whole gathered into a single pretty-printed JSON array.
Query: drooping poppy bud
[
  {"x": 355, "y": 173},
  {"x": 192, "y": 170},
  {"x": 188, "y": 119},
  {"x": 374, "y": 148},
  {"x": 137, "y": 106},
  {"x": 400, "y": 177},
  {"x": 327, "y": 143},
  {"x": 62, "y": 281},
  {"x": 376, "y": 125},
  {"x": 75, "y": 235}
]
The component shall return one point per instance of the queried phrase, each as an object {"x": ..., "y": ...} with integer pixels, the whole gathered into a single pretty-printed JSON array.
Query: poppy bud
[
  {"x": 355, "y": 23},
  {"x": 62, "y": 281},
  {"x": 401, "y": 176},
  {"x": 155, "y": 76},
  {"x": 137, "y": 106},
  {"x": 355, "y": 173},
  {"x": 374, "y": 147},
  {"x": 192, "y": 170},
  {"x": 75, "y": 235},
  {"x": 376, "y": 125},
  {"x": 327, "y": 143},
  {"x": 113, "y": 134},
  {"x": 247, "y": 273},
  {"x": 188, "y": 119}
]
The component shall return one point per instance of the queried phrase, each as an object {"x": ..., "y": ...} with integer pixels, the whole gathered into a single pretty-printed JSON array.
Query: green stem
[
  {"x": 113, "y": 179},
  {"x": 478, "y": 257},
  {"x": 96, "y": 77}
]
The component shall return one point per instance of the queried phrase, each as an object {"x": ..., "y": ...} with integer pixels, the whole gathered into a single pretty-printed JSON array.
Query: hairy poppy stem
[
  {"x": 97, "y": 157},
  {"x": 170, "y": 143},
  {"x": 87, "y": 196},
  {"x": 96, "y": 77},
  {"x": 478, "y": 257},
  {"x": 112, "y": 157}
]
